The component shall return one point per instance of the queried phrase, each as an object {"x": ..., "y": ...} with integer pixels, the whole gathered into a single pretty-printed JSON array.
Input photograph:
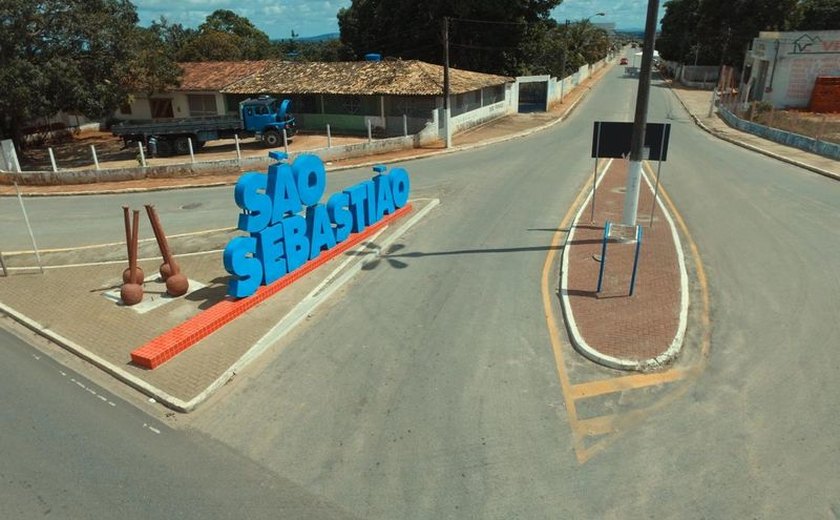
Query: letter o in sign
[{"x": 310, "y": 178}]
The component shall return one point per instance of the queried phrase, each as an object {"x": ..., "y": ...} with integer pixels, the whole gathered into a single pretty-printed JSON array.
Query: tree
[
  {"x": 212, "y": 46},
  {"x": 816, "y": 15},
  {"x": 412, "y": 29},
  {"x": 151, "y": 67},
  {"x": 678, "y": 39},
  {"x": 71, "y": 55},
  {"x": 718, "y": 31},
  {"x": 225, "y": 35}
]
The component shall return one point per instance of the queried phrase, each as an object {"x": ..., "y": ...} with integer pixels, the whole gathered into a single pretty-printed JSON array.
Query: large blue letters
[{"x": 281, "y": 239}]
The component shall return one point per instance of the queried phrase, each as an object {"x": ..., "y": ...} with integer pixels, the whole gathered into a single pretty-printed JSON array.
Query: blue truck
[{"x": 264, "y": 118}]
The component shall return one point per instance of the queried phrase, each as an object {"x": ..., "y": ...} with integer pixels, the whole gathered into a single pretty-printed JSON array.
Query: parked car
[{"x": 623, "y": 61}]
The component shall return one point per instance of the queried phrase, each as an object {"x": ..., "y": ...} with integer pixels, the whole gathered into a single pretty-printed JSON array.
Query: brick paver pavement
[{"x": 634, "y": 328}]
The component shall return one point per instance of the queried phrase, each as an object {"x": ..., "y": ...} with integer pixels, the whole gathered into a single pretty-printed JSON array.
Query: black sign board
[{"x": 611, "y": 139}]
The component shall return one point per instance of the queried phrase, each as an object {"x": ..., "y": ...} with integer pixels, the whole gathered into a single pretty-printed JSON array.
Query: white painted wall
[{"x": 795, "y": 60}]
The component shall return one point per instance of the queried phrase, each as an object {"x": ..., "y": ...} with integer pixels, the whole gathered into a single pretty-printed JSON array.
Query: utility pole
[
  {"x": 446, "y": 110},
  {"x": 563, "y": 58},
  {"x": 637, "y": 142}
]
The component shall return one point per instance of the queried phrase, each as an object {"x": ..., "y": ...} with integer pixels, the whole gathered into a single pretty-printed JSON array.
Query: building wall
[
  {"x": 785, "y": 65},
  {"x": 140, "y": 108}
]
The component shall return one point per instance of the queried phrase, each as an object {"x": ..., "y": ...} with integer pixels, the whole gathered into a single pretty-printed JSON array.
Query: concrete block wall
[{"x": 830, "y": 150}]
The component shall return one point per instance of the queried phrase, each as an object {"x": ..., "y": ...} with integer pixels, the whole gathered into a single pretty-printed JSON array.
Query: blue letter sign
[{"x": 287, "y": 224}]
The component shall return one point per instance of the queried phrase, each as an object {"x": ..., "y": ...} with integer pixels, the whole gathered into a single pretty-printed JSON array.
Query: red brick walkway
[{"x": 620, "y": 330}]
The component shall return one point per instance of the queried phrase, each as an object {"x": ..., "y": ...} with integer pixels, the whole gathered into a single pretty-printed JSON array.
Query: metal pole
[
  {"x": 192, "y": 152},
  {"x": 370, "y": 136},
  {"x": 563, "y": 61},
  {"x": 595, "y": 172},
  {"x": 285, "y": 142},
  {"x": 52, "y": 160},
  {"x": 95, "y": 159},
  {"x": 405, "y": 125},
  {"x": 636, "y": 258},
  {"x": 446, "y": 108},
  {"x": 142, "y": 155},
  {"x": 634, "y": 174},
  {"x": 658, "y": 170},
  {"x": 29, "y": 228},
  {"x": 238, "y": 153},
  {"x": 603, "y": 255},
  {"x": 329, "y": 137},
  {"x": 3, "y": 265}
]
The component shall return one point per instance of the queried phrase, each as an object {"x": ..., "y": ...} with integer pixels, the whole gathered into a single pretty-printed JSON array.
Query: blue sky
[{"x": 313, "y": 17}]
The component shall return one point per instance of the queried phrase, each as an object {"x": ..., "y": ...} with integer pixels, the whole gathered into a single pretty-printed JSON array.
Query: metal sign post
[
  {"x": 595, "y": 172},
  {"x": 29, "y": 228},
  {"x": 658, "y": 172}
]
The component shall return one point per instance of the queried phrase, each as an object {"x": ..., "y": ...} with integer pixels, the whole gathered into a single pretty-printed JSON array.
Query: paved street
[
  {"x": 428, "y": 387},
  {"x": 71, "y": 449}
]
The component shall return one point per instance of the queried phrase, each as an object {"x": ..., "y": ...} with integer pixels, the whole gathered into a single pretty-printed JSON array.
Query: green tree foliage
[
  {"x": 718, "y": 31},
  {"x": 816, "y": 15},
  {"x": 226, "y": 36},
  {"x": 678, "y": 40},
  {"x": 412, "y": 29},
  {"x": 71, "y": 55}
]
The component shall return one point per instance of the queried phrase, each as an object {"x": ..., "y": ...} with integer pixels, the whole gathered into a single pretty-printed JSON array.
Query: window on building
[
  {"x": 161, "y": 108},
  {"x": 202, "y": 105}
]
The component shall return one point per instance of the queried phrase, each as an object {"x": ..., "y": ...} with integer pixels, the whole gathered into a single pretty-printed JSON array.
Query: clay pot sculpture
[
  {"x": 131, "y": 293},
  {"x": 126, "y": 275},
  {"x": 177, "y": 283}
]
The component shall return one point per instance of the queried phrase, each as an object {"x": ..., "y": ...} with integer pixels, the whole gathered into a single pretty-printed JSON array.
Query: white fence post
[
  {"x": 52, "y": 159},
  {"x": 95, "y": 159},
  {"x": 192, "y": 153},
  {"x": 329, "y": 137},
  {"x": 142, "y": 155},
  {"x": 238, "y": 153},
  {"x": 285, "y": 142}
]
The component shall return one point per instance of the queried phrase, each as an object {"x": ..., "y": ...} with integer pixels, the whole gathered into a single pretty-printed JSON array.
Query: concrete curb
[
  {"x": 768, "y": 153},
  {"x": 591, "y": 352}
]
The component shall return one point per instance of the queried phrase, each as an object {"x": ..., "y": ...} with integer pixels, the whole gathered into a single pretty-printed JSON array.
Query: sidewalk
[{"x": 697, "y": 103}]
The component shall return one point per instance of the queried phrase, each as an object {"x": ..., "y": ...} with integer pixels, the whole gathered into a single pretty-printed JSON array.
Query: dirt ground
[{"x": 74, "y": 151}]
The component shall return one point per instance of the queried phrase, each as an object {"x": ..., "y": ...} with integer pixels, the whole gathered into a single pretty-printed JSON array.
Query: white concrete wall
[
  {"x": 478, "y": 116},
  {"x": 795, "y": 60}
]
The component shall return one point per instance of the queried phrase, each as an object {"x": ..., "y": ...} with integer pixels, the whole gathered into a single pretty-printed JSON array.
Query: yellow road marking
[
  {"x": 553, "y": 328},
  {"x": 618, "y": 384},
  {"x": 701, "y": 278}
]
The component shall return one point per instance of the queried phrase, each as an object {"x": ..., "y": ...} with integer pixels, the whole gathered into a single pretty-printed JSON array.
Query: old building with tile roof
[{"x": 391, "y": 97}]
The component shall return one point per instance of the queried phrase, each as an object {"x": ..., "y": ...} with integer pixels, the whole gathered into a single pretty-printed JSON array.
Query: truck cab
[{"x": 266, "y": 118}]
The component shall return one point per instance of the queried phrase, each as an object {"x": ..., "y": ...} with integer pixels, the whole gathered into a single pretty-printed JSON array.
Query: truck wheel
[
  {"x": 272, "y": 139},
  {"x": 182, "y": 146},
  {"x": 164, "y": 148}
]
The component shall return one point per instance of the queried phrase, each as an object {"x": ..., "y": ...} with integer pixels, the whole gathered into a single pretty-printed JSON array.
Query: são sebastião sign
[{"x": 287, "y": 224}]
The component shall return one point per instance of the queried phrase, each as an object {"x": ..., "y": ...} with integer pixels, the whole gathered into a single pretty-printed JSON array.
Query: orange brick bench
[{"x": 180, "y": 338}]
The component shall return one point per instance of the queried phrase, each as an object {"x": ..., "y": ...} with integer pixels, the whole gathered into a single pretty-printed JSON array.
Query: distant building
[
  {"x": 782, "y": 67},
  {"x": 345, "y": 95}
]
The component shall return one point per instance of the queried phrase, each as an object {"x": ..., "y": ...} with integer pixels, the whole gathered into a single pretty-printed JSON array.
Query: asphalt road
[
  {"x": 427, "y": 388},
  {"x": 71, "y": 450}
]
